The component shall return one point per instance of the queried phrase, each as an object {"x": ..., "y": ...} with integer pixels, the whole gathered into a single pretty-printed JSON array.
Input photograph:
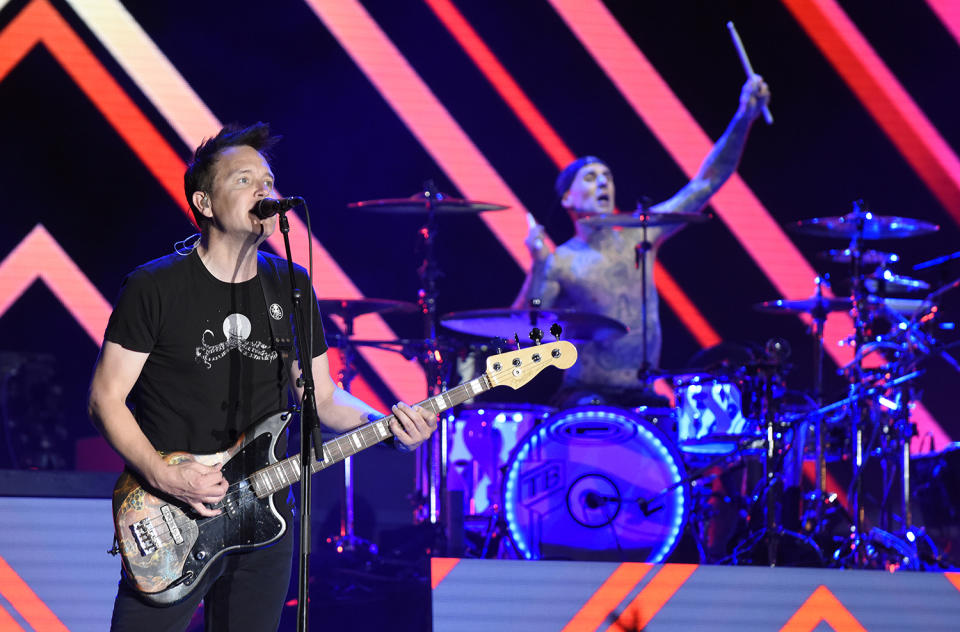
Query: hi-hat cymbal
[
  {"x": 638, "y": 220},
  {"x": 812, "y": 305},
  {"x": 867, "y": 257},
  {"x": 890, "y": 282},
  {"x": 866, "y": 225},
  {"x": 419, "y": 203},
  {"x": 350, "y": 308},
  {"x": 577, "y": 326}
]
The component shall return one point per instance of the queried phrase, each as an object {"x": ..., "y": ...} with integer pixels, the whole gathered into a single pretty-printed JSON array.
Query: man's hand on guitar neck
[
  {"x": 412, "y": 425},
  {"x": 195, "y": 484}
]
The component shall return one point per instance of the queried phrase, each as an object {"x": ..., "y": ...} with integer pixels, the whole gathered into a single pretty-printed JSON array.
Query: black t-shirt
[{"x": 213, "y": 367}]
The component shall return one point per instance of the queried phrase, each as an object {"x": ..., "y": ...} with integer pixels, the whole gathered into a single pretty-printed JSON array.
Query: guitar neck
[{"x": 282, "y": 474}]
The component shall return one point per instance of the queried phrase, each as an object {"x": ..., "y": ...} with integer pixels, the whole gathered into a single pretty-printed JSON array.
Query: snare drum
[
  {"x": 710, "y": 415},
  {"x": 595, "y": 483},
  {"x": 481, "y": 439}
]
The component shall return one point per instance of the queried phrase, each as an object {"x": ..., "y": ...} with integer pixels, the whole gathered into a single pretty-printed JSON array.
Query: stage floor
[
  {"x": 55, "y": 574},
  {"x": 475, "y": 595}
]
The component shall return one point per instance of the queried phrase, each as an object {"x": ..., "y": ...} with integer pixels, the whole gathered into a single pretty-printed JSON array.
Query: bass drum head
[{"x": 589, "y": 484}]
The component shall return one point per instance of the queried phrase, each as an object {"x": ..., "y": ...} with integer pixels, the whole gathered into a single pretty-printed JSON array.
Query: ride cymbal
[
  {"x": 420, "y": 203},
  {"x": 864, "y": 224},
  {"x": 639, "y": 220},
  {"x": 350, "y": 308},
  {"x": 577, "y": 326}
]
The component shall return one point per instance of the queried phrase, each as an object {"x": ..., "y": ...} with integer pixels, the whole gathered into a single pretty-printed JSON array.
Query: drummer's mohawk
[{"x": 199, "y": 174}]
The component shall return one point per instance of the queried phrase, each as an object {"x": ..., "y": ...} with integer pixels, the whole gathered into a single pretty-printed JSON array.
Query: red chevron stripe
[
  {"x": 26, "y": 602},
  {"x": 949, "y": 13},
  {"x": 654, "y": 596},
  {"x": 39, "y": 256},
  {"x": 606, "y": 598},
  {"x": 885, "y": 99},
  {"x": 440, "y": 567},
  {"x": 822, "y": 605},
  {"x": 37, "y": 23}
]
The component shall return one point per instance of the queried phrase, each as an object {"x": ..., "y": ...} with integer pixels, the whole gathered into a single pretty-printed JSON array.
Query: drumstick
[{"x": 767, "y": 116}]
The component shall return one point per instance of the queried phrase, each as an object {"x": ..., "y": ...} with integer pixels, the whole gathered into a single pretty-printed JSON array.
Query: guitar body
[{"x": 167, "y": 548}]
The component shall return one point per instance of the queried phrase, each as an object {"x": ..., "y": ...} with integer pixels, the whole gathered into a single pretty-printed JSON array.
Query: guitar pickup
[
  {"x": 145, "y": 535},
  {"x": 171, "y": 523}
]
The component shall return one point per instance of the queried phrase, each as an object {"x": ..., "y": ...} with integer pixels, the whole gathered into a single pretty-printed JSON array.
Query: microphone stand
[{"x": 311, "y": 439}]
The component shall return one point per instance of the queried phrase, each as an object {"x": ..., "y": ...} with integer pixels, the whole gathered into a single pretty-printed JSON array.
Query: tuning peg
[
  {"x": 536, "y": 335},
  {"x": 556, "y": 330},
  {"x": 516, "y": 339}
]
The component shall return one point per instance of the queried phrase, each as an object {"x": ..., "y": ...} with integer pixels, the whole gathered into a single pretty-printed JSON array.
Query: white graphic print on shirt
[{"x": 236, "y": 329}]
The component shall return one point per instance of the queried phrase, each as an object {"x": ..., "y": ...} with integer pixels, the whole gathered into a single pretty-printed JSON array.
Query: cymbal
[
  {"x": 350, "y": 308},
  {"x": 805, "y": 306},
  {"x": 867, "y": 257},
  {"x": 638, "y": 220},
  {"x": 902, "y": 306},
  {"x": 407, "y": 346},
  {"x": 417, "y": 203},
  {"x": 891, "y": 282},
  {"x": 872, "y": 226},
  {"x": 577, "y": 326}
]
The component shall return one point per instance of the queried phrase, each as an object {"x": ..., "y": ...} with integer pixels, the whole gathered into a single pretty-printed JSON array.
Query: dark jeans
[{"x": 244, "y": 591}]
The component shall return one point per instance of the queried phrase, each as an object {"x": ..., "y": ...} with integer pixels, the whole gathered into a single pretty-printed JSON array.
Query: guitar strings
[{"x": 166, "y": 537}]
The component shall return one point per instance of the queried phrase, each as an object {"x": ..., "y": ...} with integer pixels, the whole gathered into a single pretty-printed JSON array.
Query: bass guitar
[{"x": 167, "y": 548}]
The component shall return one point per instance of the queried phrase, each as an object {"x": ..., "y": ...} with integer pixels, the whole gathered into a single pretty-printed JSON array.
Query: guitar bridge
[{"x": 145, "y": 535}]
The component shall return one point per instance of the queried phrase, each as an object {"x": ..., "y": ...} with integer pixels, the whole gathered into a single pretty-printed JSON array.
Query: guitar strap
[{"x": 278, "y": 312}]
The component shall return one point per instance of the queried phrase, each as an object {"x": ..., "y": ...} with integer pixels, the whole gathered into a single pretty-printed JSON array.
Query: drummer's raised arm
[
  {"x": 723, "y": 159},
  {"x": 538, "y": 284}
]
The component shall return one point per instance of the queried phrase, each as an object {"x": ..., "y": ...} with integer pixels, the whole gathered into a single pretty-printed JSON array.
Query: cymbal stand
[
  {"x": 916, "y": 345},
  {"x": 770, "y": 491},
  {"x": 819, "y": 319},
  {"x": 897, "y": 435},
  {"x": 857, "y": 411},
  {"x": 640, "y": 263},
  {"x": 432, "y": 460},
  {"x": 348, "y": 540},
  {"x": 772, "y": 465}
]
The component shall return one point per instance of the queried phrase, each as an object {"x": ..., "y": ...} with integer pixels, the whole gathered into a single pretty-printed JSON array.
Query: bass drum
[{"x": 595, "y": 483}]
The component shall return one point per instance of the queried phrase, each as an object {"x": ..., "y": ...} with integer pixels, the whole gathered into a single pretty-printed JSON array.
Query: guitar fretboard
[{"x": 284, "y": 473}]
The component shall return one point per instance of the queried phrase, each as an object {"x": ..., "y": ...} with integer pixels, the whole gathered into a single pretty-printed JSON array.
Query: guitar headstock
[{"x": 516, "y": 368}]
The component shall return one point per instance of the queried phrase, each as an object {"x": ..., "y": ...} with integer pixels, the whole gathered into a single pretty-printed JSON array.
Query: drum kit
[{"x": 715, "y": 477}]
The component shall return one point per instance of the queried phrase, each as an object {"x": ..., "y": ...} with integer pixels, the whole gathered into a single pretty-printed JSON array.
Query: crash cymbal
[
  {"x": 577, "y": 326},
  {"x": 350, "y": 308},
  {"x": 889, "y": 282},
  {"x": 872, "y": 226},
  {"x": 903, "y": 306},
  {"x": 418, "y": 203},
  {"x": 650, "y": 218},
  {"x": 805, "y": 306},
  {"x": 867, "y": 257}
]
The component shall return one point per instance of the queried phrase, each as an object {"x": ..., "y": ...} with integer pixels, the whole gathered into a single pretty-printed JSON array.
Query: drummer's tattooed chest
[{"x": 608, "y": 282}]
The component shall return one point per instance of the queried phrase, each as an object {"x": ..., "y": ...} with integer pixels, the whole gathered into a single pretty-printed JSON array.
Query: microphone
[{"x": 268, "y": 207}]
